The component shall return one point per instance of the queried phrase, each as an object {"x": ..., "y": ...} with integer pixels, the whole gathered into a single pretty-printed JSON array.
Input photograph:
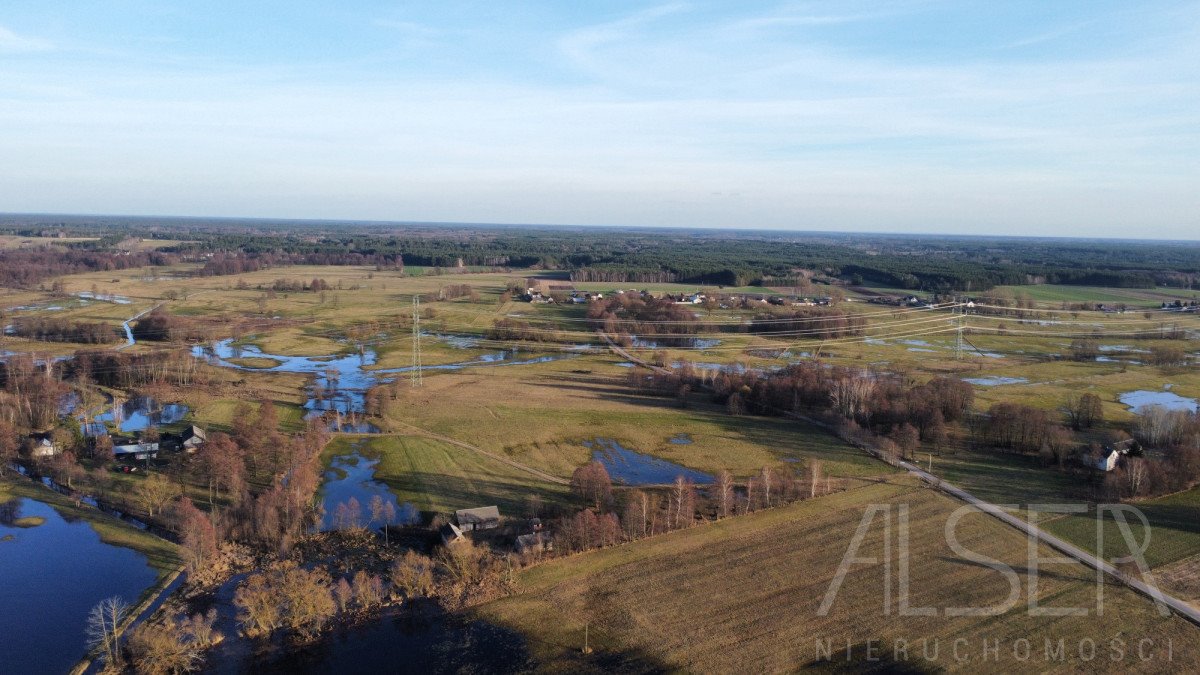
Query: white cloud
[{"x": 13, "y": 43}]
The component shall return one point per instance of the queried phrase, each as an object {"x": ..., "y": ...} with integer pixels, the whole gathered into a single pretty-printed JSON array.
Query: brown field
[{"x": 742, "y": 595}]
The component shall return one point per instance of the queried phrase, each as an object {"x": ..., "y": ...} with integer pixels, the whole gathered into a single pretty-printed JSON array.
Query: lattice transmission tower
[{"x": 414, "y": 375}]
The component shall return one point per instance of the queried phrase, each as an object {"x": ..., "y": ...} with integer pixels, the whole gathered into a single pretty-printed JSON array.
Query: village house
[
  {"x": 481, "y": 518},
  {"x": 43, "y": 446},
  {"x": 534, "y": 542}
]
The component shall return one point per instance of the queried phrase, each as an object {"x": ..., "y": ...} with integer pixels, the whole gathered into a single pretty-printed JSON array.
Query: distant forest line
[{"x": 617, "y": 255}]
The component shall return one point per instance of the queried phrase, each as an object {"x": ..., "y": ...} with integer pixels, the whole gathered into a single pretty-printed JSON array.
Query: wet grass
[{"x": 437, "y": 477}]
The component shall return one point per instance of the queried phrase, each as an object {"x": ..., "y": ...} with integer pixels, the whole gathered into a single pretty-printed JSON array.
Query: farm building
[
  {"x": 534, "y": 542},
  {"x": 193, "y": 437},
  {"x": 481, "y": 518},
  {"x": 451, "y": 534},
  {"x": 127, "y": 449}
]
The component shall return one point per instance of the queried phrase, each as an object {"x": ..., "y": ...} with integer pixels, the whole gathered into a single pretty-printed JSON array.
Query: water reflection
[
  {"x": 634, "y": 468},
  {"x": 52, "y": 576},
  {"x": 352, "y": 476}
]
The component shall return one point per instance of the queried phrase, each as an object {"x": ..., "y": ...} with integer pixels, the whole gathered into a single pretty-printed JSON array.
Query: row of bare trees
[{"x": 614, "y": 517}]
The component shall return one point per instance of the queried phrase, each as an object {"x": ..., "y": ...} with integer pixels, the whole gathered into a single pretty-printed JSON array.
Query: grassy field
[
  {"x": 743, "y": 595},
  {"x": 540, "y": 415},
  {"x": 162, "y": 555},
  {"x": 1174, "y": 529},
  {"x": 437, "y": 477},
  {"x": 1050, "y": 293},
  {"x": 14, "y": 241}
]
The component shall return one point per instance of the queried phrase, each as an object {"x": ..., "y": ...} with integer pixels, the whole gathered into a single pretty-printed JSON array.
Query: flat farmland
[
  {"x": 541, "y": 414},
  {"x": 1174, "y": 532},
  {"x": 1050, "y": 293},
  {"x": 743, "y": 595}
]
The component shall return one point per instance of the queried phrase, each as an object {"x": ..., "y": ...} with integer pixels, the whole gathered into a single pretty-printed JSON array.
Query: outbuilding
[{"x": 481, "y": 518}]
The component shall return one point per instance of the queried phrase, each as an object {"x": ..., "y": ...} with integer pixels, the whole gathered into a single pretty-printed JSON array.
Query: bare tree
[
  {"x": 368, "y": 589},
  {"x": 724, "y": 489},
  {"x": 591, "y": 481},
  {"x": 343, "y": 594},
  {"x": 104, "y": 629},
  {"x": 814, "y": 477},
  {"x": 163, "y": 649},
  {"x": 155, "y": 492},
  {"x": 413, "y": 575}
]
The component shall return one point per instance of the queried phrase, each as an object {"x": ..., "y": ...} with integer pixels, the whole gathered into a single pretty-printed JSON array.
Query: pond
[
  {"x": 1139, "y": 401},
  {"x": 681, "y": 439},
  {"x": 668, "y": 342},
  {"x": 994, "y": 380},
  {"x": 53, "y": 574},
  {"x": 630, "y": 467},
  {"x": 140, "y": 413},
  {"x": 353, "y": 476}
]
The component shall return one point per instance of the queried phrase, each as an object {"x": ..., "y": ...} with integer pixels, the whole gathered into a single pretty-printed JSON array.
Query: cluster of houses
[
  {"x": 1181, "y": 306},
  {"x": 546, "y": 291},
  {"x": 896, "y": 301},
  {"x": 124, "y": 448},
  {"x": 488, "y": 518}
]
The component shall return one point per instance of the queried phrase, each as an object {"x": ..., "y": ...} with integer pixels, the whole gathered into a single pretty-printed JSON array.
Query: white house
[
  {"x": 44, "y": 447},
  {"x": 1106, "y": 462}
]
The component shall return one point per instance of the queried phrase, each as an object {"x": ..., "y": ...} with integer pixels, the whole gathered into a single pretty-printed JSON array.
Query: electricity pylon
[{"x": 414, "y": 375}]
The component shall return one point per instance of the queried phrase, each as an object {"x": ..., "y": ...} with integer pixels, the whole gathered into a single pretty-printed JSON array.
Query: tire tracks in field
[{"x": 537, "y": 473}]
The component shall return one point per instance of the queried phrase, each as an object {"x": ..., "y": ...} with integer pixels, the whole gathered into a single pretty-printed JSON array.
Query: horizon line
[{"x": 614, "y": 226}]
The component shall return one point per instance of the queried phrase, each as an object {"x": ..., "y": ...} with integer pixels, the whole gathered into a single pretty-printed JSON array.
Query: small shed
[
  {"x": 481, "y": 518},
  {"x": 193, "y": 437},
  {"x": 451, "y": 534}
]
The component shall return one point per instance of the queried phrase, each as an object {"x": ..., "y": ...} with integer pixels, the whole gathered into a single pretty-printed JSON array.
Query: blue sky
[{"x": 1054, "y": 118}]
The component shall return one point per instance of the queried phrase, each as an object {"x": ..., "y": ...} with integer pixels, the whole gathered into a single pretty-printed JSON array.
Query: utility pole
[
  {"x": 414, "y": 375},
  {"x": 959, "y": 316}
]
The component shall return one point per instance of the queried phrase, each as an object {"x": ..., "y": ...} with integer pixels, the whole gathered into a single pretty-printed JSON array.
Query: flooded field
[
  {"x": 353, "y": 477},
  {"x": 1139, "y": 401},
  {"x": 630, "y": 467}
]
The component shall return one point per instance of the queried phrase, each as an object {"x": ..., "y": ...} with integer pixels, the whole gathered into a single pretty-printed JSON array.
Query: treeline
[
  {"x": 128, "y": 370},
  {"x": 610, "y": 518},
  {"x": 162, "y": 326},
  {"x": 647, "y": 317},
  {"x": 295, "y": 285},
  {"x": 824, "y": 323},
  {"x": 938, "y": 264},
  {"x": 64, "y": 330},
  {"x": 26, "y": 268},
  {"x": 516, "y": 330}
]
